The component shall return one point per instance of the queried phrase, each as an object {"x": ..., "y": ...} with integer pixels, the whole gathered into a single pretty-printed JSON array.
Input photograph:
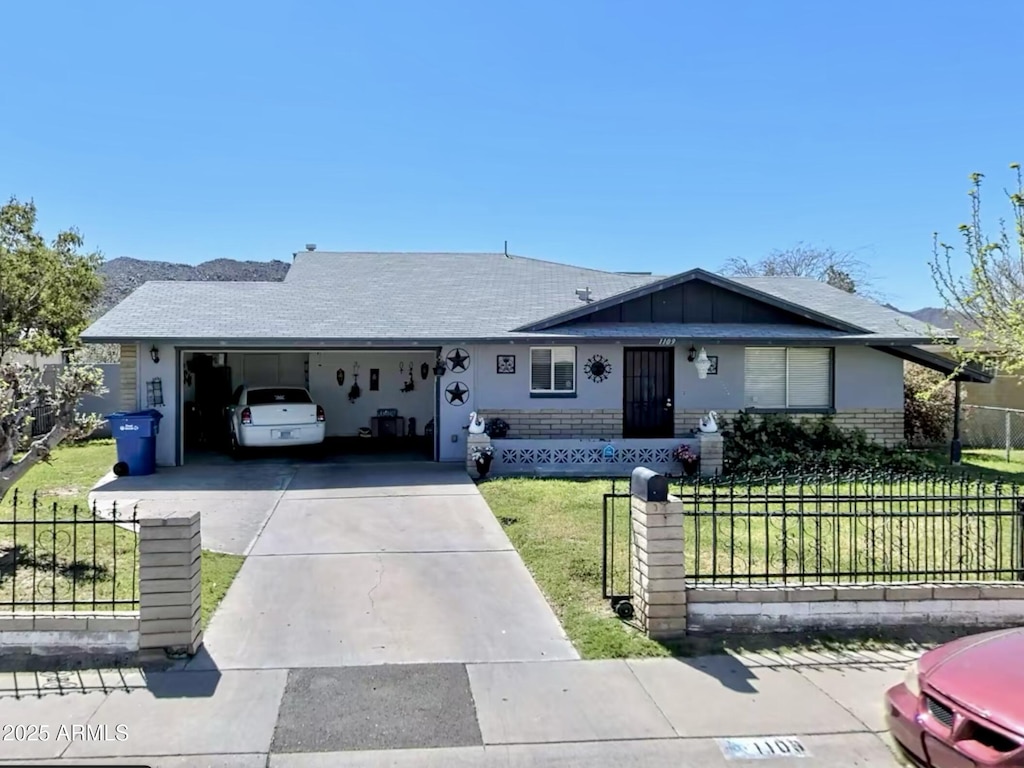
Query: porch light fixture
[
  {"x": 154, "y": 354},
  {"x": 693, "y": 354},
  {"x": 703, "y": 364},
  {"x": 440, "y": 367}
]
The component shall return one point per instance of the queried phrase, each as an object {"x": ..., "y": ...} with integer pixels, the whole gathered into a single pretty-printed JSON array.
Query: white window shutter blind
[
  {"x": 540, "y": 369},
  {"x": 765, "y": 377},
  {"x": 810, "y": 377},
  {"x": 564, "y": 368}
]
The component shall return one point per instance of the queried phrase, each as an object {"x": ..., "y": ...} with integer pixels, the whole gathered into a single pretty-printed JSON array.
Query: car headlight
[{"x": 912, "y": 678}]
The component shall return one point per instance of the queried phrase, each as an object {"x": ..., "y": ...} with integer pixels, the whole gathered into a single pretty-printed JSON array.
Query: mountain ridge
[{"x": 124, "y": 274}]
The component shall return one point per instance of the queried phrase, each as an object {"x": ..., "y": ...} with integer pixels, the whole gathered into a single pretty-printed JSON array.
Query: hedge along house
[{"x": 572, "y": 359}]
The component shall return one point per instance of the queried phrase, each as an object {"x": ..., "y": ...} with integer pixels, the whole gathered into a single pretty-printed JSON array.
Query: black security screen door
[{"x": 647, "y": 387}]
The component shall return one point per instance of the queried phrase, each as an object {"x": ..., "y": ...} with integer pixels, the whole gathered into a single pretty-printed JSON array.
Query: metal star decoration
[
  {"x": 455, "y": 393},
  {"x": 458, "y": 360}
]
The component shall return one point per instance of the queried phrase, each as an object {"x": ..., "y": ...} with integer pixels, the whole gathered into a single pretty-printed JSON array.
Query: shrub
[
  {"x": 927, "y": 405},
  {"x": 776, "y": 443}
]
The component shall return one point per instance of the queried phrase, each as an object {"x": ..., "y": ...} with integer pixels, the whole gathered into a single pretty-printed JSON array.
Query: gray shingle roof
[
  {"x": 849, "y": 307},
  {"x": 364, "y": 296},
  {"x": 333, "y": 297}
]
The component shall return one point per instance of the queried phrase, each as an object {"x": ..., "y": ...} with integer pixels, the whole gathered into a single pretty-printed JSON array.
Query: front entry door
[{"x": 647, "y": 388}]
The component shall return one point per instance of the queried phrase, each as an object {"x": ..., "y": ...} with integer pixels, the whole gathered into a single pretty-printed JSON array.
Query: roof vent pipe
[
  {"x": 583, "y": 294},
  {"x": 310, "y": 246}
]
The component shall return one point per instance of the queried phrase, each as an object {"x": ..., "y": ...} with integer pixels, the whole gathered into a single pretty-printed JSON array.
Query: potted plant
[
  {"x": 685, "y": 456},
  {"x": 483, "y": 456}
]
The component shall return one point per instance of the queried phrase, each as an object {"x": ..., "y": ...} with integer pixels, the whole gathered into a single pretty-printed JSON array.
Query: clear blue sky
[{"x": 647, "y": 136}]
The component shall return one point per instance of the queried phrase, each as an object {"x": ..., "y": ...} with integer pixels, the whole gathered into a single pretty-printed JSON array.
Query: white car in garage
[{"x": 274, "y": 417}]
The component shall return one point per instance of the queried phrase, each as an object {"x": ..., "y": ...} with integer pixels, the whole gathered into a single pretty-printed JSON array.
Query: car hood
[{"x": 984, "y": 673}]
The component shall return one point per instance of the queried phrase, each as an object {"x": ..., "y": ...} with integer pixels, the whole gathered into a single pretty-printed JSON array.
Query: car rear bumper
[
  {"x": 901, "y": 708},
  {"x": 255, "y": 436}
]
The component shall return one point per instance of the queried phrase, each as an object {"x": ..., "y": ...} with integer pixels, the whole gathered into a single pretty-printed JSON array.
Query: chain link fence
[{"x": 986, "y": 426}]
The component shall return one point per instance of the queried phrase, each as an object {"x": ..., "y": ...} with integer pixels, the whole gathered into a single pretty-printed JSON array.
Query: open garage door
[{"x": 377, "y": 402}]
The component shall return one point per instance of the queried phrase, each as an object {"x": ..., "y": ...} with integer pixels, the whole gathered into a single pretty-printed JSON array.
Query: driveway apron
[{"x": 381, "y": 564}]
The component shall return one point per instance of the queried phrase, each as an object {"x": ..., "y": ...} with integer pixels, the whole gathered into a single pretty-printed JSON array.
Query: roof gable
[{"x": 695, "y": 296}]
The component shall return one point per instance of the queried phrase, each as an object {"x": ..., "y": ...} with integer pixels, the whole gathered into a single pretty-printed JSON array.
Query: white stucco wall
[
  {"x": 344, "y": 418},
  {"x": 865, "y": 378}
]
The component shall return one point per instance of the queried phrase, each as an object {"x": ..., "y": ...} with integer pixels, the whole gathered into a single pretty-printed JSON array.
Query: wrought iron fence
[
  {"x": 70, "y": 559},
  {"x": 986, "y": 426},
  {"x": 853, "y": 529}
]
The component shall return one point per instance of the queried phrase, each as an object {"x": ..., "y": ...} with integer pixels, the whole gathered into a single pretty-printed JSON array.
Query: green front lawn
[
  {"x": 987, "y": 463},
  {"x": 556, "y": 525},
  {"x": 80, "y": 563}
]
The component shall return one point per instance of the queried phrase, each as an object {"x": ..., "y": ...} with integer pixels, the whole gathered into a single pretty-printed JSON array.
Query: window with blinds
[
  {"x": 794, "y": 377},
  {"x": 553, "y": 369}
]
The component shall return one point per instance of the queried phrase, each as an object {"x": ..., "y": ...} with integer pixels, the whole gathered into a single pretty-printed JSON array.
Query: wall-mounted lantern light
[
  {"x": 154, "y": 353},
  {"x": 440, "y": 367},
  {"x": 692, "y": 355},
  {"x": 703, "y": 364}
]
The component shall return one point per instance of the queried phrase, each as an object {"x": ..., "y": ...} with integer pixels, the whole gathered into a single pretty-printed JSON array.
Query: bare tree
[
  {"x": 839, "y": 269},
  {"x": 986, "y": 302}
]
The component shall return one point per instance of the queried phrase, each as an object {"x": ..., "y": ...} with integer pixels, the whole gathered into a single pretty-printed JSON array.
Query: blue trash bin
[{"x": 135, "y": 434}]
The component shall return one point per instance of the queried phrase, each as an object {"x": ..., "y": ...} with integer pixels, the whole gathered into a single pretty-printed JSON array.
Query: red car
[{"x": 961, "y": 705}]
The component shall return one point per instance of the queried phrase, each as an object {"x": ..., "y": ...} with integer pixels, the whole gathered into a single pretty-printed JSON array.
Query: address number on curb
[{"x": 762, "y": 748}]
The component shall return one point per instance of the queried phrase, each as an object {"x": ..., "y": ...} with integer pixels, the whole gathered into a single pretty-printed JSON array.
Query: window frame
[
  {"x": 787, "y": 408},
  {"x": 554, "y": 393}
]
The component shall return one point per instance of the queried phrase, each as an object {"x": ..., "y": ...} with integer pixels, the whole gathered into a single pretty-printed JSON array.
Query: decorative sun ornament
[{"x": 597, "y": 368}]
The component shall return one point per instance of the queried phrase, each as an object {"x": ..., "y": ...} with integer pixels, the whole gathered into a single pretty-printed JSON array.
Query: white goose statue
[
  {"x": 476, "y": 426},
  {"x": 708, "y": 423}
]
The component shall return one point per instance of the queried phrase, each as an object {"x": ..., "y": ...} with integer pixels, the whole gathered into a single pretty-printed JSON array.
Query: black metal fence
[
  {"x": 851, "y": 529},
  {"x": 66, "y": 559}
]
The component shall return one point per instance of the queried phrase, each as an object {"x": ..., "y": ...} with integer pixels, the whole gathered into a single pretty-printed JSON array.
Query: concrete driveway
[
  {"x": 235, "y": 499},
  {"x": 357, "y": 564}
]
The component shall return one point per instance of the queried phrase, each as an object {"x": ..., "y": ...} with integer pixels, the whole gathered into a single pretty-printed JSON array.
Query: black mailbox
[{"x": 648, "y": 485}]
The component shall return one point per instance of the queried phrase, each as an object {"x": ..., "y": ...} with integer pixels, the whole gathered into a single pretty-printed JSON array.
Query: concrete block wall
[
  {"x": 69, "y": 633},
  {"x": 170, "y": 591},
  {"x": 560, "y": 422},
  {"x": 790, "y": 609}
]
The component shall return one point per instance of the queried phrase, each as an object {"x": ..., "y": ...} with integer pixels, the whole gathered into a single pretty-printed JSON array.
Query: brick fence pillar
[
  {"x": 659, "y": 570},
  {"x": 170, "y": 585},
  {"x": 474, "y": 441},
  {"x": 712, "y": 453}
]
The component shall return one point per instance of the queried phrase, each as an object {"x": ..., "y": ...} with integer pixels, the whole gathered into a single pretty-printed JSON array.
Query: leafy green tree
[
  {"x": 927, "y": 405},
  {"x": 985, "y": 301},
  {"x": 47, "y": 291}
]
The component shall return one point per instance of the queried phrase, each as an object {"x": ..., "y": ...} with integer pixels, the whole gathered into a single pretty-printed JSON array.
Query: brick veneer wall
[
  {"x": 882, "y": 425},
  {"x": 129, "y": 395},
  {"x": 560, "y": 422}
]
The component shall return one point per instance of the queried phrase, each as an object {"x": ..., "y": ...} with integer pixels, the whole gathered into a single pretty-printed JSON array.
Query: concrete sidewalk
[{"x": 649, "y": 712}]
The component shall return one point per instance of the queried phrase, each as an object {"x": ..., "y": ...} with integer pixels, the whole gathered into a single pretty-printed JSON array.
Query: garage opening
[{"x": 375, "y": 403}]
